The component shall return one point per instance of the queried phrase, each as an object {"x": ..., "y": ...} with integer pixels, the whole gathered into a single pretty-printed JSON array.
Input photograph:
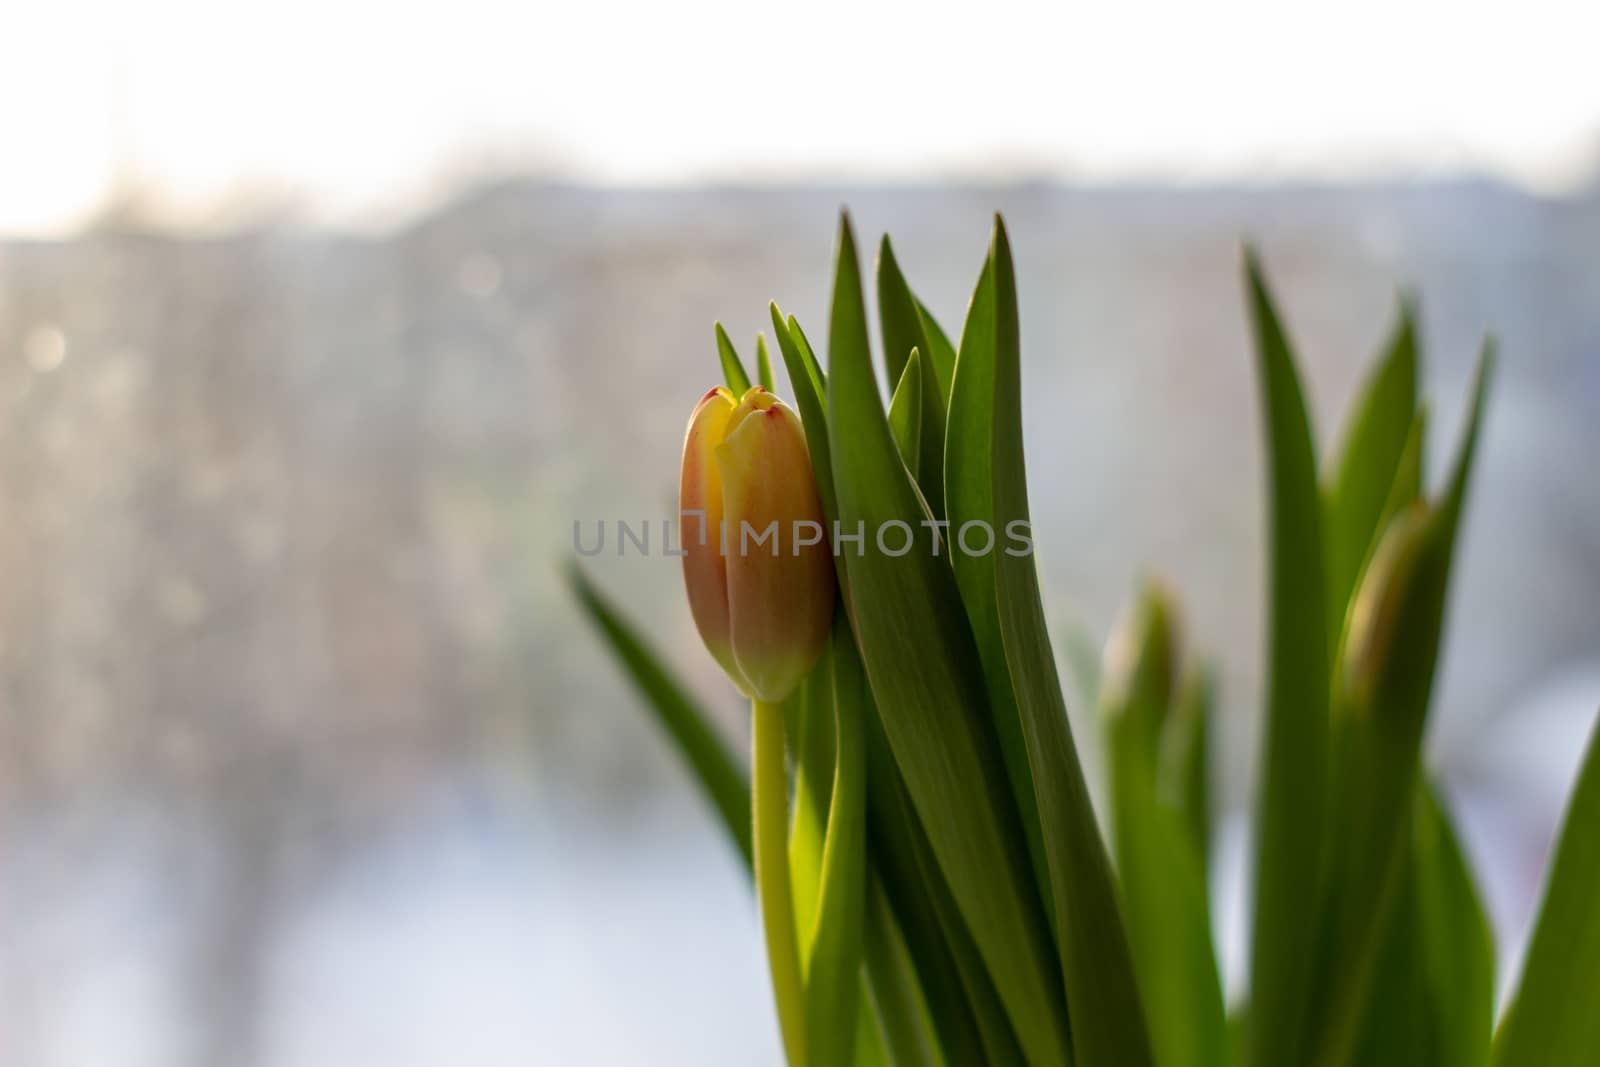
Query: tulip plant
[{"x": 933, "y": 880}]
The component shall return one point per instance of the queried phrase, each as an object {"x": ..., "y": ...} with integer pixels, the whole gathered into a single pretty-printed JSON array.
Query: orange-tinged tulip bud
[{"x": 760, "y": 579}]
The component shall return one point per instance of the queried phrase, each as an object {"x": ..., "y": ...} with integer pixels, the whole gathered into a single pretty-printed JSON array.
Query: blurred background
[{"x": 321, "y": 324}]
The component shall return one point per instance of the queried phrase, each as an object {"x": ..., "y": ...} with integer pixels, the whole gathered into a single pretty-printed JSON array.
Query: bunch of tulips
[{"x": 934, "y": 884}]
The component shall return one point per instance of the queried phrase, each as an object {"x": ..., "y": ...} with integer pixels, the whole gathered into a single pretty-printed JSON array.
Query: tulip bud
[
  {"x": 1382, "y": 596},
  {"x": 757, "y": 567},
  {"x": 1139, "y": 672}
]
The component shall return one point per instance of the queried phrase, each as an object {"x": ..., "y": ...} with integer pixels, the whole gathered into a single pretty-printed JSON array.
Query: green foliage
[
  {"x": 1552, "y": 1021},
  {"x": 1154, "y": 745},
  {"x": 947, "y": 866},
  {"x": 1291, "y": 808}
]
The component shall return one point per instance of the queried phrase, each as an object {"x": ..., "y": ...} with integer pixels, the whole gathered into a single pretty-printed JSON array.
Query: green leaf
[
  {"x": 929, "y": 920},
  {"x": 926, "y": 680},
  {"x": 907, "y": 892},
  {"x": 982, "y": 1033},
  {"x": 763, "y": 364},
  {"x": 905, "y": 413},
  {"x": 806, "y": 378},
  {"x": 1373, "y": 447},
  {"x": 1457, "y": 941},
  {"x": 1108, "y": 1020},
  {"x": 969, "y": 494},
  {"x": 1189, "y": 749},
  {"x": 941, "y": 353},
  {"x": 1291, "y": 804},
  {"x": 1384, "y": 688},
  {"x": 1432, "y": 998},
  {"x": 834, "y": 955},
  {"x": 810, "y": 715},
  {"x": 1552, "y": 1021},
  {"x": 903, "y": 1017},
  {"x": 728, "y": 787},
  {"x": 809, "y": 356},
  {"x": 732, "y": 369},
  {"x": 724, "y": 782},
  {"x": 1163, "y": 873},
  {"x": 903, "y": 332}
]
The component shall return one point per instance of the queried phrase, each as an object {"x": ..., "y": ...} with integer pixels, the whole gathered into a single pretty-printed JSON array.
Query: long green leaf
[
  {"x": 834, "y": 952},
  {"x": 909, "y": 890},
  {"x": 941, "y": 353},
  {"x": 763, "y": 363},
  {"x": 810, "y": 738},
  {"x": 953, "y": 980},
  {"x": 1291, "y": 803},
  {"x": 907, "y": 1034},
  {"x": 928, "y": 685},
  {"x": 904, "y": 331},
  {"x": 969, "y": 495},
  {"x": 805, "y": 376},
  {"x": 732, "y": 369},
  {"x": 1457, "y": 942},
  {"x": 1189, "y": 752},
  {"x": 1373, "y": 447},
  {"x": 1385, "y": 685},
  {"x": 1108, "y": 1021},
  {"x": 1162, "y": 868},
  {"x": 1552, "y": 1020},
  {"x": 905, "y": 413},
  {"x": 728, "y": 787},
  {"x": 725, "y": 784}
]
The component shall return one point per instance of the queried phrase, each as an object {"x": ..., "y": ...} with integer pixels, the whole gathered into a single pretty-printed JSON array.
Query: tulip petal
[
  {"x": 780, "y": 587},
  {"x": 700, "y": 490}
]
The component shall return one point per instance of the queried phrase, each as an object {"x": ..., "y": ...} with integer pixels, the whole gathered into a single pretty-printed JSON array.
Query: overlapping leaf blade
[
  {"x": 1374, "y": 443},
  {"x": 1161, "y": 866},
  {"x": 911, "y": 882},
  {"x": 904, "y": 331},
  {"x": 1108, "y": 1022},
  {"x": 969, "y": 495},
  {"x": 1457, "y": 941},
  {"x": 834, "y": 947},
  {"x": 1381, "y": 734},
  {"x": 1552, "y": 1020},
  {"x": 1291, "y": 802},
  {"x": 925, "y": 677},
  {"x": 905, "y": 413}
]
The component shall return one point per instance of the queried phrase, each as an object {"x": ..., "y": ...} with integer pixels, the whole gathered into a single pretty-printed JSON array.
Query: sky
[{"x": 363, "y": 111}]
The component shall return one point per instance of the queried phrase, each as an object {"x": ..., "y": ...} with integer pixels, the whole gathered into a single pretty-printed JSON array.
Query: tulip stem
[{"x": 770, "y": 809}]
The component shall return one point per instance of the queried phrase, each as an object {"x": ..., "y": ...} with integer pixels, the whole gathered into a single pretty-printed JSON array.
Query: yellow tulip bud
[
  {"x": 1382, "y": 596},
  {"x": 757, "y": 564}
]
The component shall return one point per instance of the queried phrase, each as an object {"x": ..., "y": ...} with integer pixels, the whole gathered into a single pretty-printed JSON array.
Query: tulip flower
[
  {"x": 759, "y": 574},
  {"x": 758, "y": 568}
]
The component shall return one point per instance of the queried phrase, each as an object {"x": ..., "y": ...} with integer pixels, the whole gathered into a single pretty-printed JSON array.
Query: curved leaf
[
  {"x": 969, "y": 495},
  {"x": 1374, "y": 443},
  {"x": 732, "y": 369},
  {"x": 1552, "y": 1021},
  {"x": 1295, "y": 753},
  {"x": 928, "y": 686},
  {"x": 834, "y": 947},
  {"x": 1108, "y": 1021},
  {"x": 905, "y": 413},
  {"x": 903, "y": 333}
]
